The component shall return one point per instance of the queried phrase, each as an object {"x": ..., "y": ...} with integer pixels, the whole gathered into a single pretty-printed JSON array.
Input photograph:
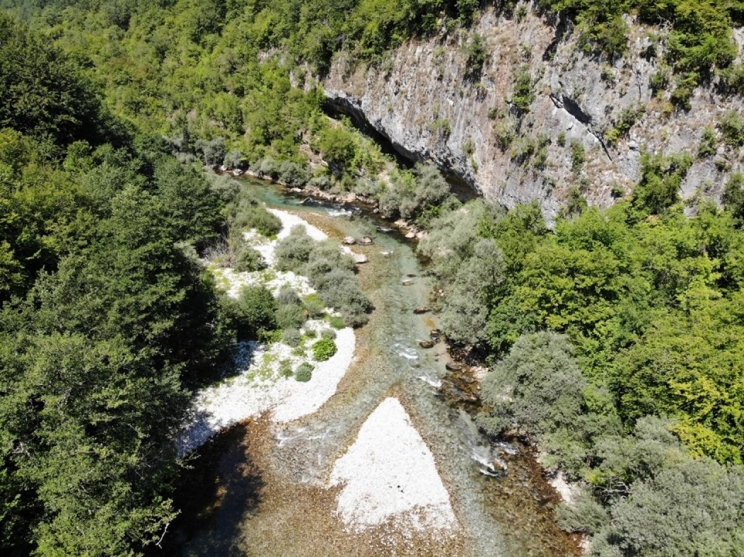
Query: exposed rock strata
[{"x": 423, "y": 102}]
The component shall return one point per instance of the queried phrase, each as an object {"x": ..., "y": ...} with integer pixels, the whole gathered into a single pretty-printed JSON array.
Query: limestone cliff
[{"x": 424, "y": 101}]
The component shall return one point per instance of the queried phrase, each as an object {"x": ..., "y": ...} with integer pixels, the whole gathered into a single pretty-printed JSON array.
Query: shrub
[
  {"x": 328, "y": 333},
  {"x": 523, "y": 95},
  {"x": 311, "y": 333},
  {"x": 248, "y": 213},
  {"x": 708, "y": 143},
  {"x": 293, "y": 174},
  {"x": 476, "y": 53},
  {"x": 293, "y": 252},
  {"x": 288, "y": 296},
  {"x": 732, "y": 127},
  {"x": 257, "y": 310},
  {"x": 304, "y": 372},
  {"x": 537, "y": 388},
  {"x": 578, "y": 155},
  {"x": 249, "y": 260},
  {"x": 324, "y": 349},
  {"x": 336, "y": 321},
  {"x": 289, "y": 316},
  {"x": 285, "y": 368},
  {"x": 291, "y": 337},
  {"x": 314, "y": 306},
  {"x": 233, "y": 159}
]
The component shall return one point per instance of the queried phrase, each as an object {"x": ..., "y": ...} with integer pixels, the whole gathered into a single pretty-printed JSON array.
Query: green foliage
[
  {"x": 578, "y": 155},
  {"x": 441, "y": 127},
  {"x": 537, "y": 387},
  {"x": 660, "y": 182},
  {"x": 291, "y": 337},
  {"x": 476, "y": 53},
  {"x": 522, "y": 94},
  {"x": 304, "y": 372},
  {"x": 328, "y": 333},
  {"x": 45, "y": 92},
  {"x": 625, "y": 121},
  {"x": 249, "y": 260},
  {"x": 336, "y": 322},
  {"x": 732, "y": 127},
  {"x": 708, "y": 143},
  {"x": 257, "y": 309},
  {"x": 330, "y": 272},
  {"x": 418, "y": 195},
  {"x": 691, "y": 508},
  {"x": 245, "y": 213},
  {"x": 324, "y": 349},
  {"x": 733, "y": 197}
]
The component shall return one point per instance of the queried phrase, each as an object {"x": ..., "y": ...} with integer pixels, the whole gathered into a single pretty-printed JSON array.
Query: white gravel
[
  {"x": 289, "y": 220},
  {"x": 390, "y": 472},
  {"x": 259, "y": 388}
]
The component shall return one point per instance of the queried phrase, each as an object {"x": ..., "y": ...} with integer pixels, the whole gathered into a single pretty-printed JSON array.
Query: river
[{"x": 259, "y": 489}]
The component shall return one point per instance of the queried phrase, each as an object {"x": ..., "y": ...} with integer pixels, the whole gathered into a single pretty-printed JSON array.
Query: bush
[
  {"x": 708, "y": 143},
  {"x": 289, "y": 316},
  {"x": 249, "y": 213},
  {"x": 285, "y": 368},
  {"x": 288, "y": 296},
  {"x": 523, "y": 95},
  {"x": 336, "y": 321},
  {"x": 249, "y": 260},
  {"x": 328, "y": 333},
  {"x": 257, "y": 310},
  {"x": 324, "y": 349},
  {"x": 732, "y": 127},
  {"x": 291, "y": 337},
  {"x": 537, "y": 388},
  {"x": 293, "y": 252},
  {"x": 304, "y": 372},
  {"x": 578, "y": 155},
  {"x": 476, "y": 53}
]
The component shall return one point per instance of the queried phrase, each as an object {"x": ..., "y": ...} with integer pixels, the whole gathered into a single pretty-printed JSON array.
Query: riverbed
[{"x": 263, "y": 488}]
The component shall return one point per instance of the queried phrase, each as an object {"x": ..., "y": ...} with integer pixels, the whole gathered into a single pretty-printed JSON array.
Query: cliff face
[{"x": 423, "y": 100}]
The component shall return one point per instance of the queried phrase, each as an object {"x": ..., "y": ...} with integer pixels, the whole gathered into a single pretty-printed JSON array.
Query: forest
[{"x": 615, "y": 340}]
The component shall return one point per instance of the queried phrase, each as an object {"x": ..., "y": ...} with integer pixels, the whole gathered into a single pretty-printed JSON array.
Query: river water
[{"x": 259, "y": 488}]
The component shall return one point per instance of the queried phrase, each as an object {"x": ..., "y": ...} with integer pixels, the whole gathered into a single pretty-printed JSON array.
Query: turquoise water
[{"x": 500, "y": 514}]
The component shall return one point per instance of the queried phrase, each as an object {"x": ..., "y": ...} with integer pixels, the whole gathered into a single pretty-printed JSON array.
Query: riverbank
[{"x": 505, "y": 516}]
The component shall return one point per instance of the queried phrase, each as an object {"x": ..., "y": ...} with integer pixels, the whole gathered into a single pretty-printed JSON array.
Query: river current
[{"x": 260, "y": 488}]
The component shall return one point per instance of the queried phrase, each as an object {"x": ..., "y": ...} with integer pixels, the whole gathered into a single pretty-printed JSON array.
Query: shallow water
[{"x": 500, "y": 513}]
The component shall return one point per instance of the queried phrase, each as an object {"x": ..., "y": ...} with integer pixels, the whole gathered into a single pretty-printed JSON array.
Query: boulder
[
  {"x": 360, "y": 258},
  {"x": 349, "y": 241},
  {"x": 426, "y": 343},
  {"x": 366, "y": 241},
  {"x": 453, "y": 366}
]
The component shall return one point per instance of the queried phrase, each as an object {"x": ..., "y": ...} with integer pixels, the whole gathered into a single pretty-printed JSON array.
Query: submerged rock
[
  {"x": 453, "y": 366},
  {"x": 419, "y": 311},
  {"x": 426, "y": 343}
]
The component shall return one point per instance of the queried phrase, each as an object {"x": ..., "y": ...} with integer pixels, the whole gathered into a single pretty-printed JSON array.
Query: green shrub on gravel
[
  {"x": 324, "y": 349},
  {"x": 304, "y": 372}
]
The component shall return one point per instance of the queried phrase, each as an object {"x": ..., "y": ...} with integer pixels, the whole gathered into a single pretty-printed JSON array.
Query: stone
[
  {"x": 349, "y": 241},
  {"x": 419, "y": 311},
  {"x": 360, "y": 258},
  {"x": 453, "y": 366},
  {"x": 366, "y": 241},
  {"x": 426, "y": 344},
  {"x": 411, "y": 235}
]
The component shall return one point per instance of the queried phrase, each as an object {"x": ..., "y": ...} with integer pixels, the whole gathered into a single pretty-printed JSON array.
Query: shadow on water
[{"x": 220, "y": 489}]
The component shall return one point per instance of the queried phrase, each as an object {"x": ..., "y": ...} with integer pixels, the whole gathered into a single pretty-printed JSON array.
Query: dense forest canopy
[{"x": 617, "y": 339}]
